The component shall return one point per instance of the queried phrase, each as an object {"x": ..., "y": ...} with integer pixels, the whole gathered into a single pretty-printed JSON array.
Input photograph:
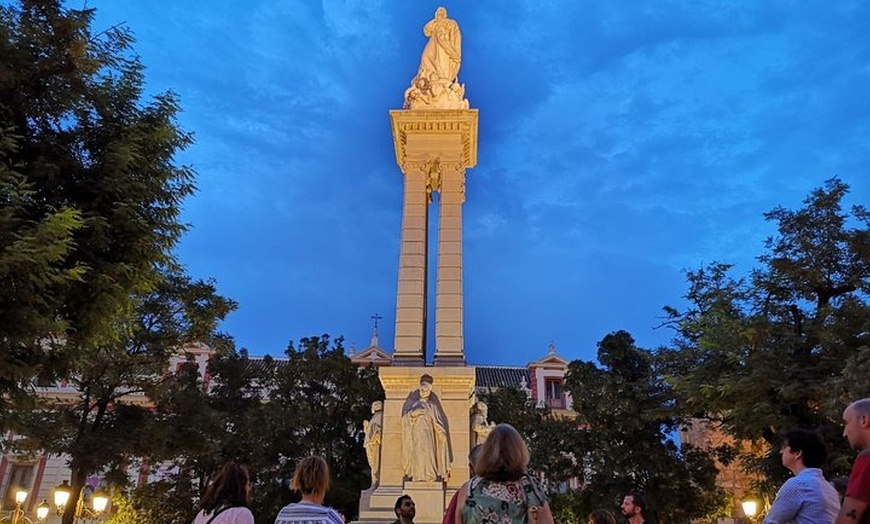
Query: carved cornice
[{"x": 433, "y": 122}]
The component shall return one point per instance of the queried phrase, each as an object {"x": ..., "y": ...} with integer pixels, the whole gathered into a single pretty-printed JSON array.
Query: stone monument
[{"x": 426, "y": 420}]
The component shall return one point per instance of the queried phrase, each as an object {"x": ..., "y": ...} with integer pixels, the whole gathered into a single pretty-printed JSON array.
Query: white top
[{"x": 227, "y": 516}]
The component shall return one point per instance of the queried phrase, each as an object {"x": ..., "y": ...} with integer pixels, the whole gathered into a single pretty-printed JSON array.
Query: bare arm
[
  {"x": 852, "y": 511},
  {"x": 460, "y": 502},
  {"x": 545, "y": 515}
]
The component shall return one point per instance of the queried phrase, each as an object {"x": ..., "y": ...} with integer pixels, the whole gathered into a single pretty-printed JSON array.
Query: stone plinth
[{"x": 454, "y": 387}]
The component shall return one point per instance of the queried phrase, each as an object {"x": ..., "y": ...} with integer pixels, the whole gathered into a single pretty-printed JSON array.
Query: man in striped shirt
[{"x": 806, "y": 498}]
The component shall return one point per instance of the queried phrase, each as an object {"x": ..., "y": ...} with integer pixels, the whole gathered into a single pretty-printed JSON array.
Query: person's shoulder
[
  {"x": 865, "y": 454},
  {"x": 240, "y": 515}
]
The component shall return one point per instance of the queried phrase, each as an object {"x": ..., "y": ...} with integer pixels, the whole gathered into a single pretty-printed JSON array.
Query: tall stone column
[
  {"x": 449, "y": 334},
  {"x": 410, "y": 341},
  {"x": 434, "y": 147}
]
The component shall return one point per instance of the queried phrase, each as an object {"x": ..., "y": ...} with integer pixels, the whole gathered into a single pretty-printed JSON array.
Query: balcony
[{"x": 556, "y": 403}]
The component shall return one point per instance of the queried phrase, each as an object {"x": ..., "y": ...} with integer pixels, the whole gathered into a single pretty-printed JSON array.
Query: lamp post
[
  {"x": 17, "y": 515},
  {"x": 99, "y": 502},
  {"x": 42, "y": 511},
  {"x": 750, "y": 508}
]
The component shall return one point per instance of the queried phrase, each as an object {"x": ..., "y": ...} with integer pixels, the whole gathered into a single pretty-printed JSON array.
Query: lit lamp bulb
[
  {"x": 42, "y": 510},
  {"x": 750, "y": 507},
  {"x": 61, "y": 495},
  {"x": 100, "y": 502},
  {"x": 20, "y": 496}
]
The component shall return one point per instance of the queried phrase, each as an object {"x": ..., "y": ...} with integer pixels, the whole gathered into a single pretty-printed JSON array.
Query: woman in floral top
[{"x": 501, "y": 492}]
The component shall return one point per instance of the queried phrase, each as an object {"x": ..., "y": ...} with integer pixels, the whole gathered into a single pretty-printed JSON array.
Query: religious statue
[
  {"x": 373, "y": 430},
  {"x": 426, "y": 450},
  {"x": 480, "y": 427},
  {"x": 436, "y": 85}
]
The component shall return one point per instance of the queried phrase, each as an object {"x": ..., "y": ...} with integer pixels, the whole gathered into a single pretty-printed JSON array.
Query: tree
[
  {"x": 556, "y": 443},
  {"x": 784, "y": 346},
  {"x": 113, "y": 416},
  {"x": 628, "y": 412},
  {"x": 32, "y": 271},
  {"x": 265, "y": 413},
  {"x": 88, "y": 168},
  {"x": 319, "y": 399}
]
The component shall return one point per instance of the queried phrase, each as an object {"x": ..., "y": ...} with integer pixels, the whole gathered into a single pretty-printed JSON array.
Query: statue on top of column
[{"x": 436, "y": 85}]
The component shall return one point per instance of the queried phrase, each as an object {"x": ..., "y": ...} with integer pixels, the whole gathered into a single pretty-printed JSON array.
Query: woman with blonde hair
[
  {"x": 312, "y": 480},
  {"x": 227, "y": 497},
  {"x": 501, "y": 492}
]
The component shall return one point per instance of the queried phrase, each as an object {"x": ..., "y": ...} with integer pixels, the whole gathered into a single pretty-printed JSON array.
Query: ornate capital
[{"x": 420, "y": 135}]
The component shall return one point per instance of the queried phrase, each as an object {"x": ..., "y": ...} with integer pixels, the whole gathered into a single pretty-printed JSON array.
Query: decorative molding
[{"x": 436, "y": 122}]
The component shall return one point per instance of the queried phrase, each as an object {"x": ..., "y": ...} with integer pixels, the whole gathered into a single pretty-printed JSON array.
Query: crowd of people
[{"x": 500, "y": 491}]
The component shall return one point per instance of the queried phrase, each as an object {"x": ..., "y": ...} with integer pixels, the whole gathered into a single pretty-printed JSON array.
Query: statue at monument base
[
  {"x": 373, "y": 430},
  {"x": 426, "y": 450}
]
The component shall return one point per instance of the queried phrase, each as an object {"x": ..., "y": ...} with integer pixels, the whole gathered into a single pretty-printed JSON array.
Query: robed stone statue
[
  {"x": 436, "y": 85},
  {"x": 373, "y": 437},
  {"x": 426, "y": 449}
]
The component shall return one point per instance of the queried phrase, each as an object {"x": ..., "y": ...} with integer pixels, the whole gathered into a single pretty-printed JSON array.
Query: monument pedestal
[{"x": 454, "y": 387}]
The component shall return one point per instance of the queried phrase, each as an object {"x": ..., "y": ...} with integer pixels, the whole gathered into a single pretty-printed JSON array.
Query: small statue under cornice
[
  {"x": 480, "y": 426},
  {"x": 436, "y": 85}
]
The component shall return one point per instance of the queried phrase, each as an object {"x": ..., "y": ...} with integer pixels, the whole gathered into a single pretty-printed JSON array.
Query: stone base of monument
[
  {"x": 429, "y": 500},
  {"x": 378, "y": 505}
]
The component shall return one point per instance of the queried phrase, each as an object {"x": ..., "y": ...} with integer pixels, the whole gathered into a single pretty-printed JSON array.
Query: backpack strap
[
  {"x": 216, "y": 513},
  {"x": 534, "y": 484}
]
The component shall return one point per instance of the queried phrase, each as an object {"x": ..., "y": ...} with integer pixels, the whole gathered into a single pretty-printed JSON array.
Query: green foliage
[
  {"x": 620, "y": 440},
  {"x": 266, "y": 414},
  {"x": 788, "y": 345},
  {"x": 321, "y": 399},
  {"x": 628, "y": 414},
  {"x": 148, "y": 504},
  {"x": 553, "y": 440},
  {"x": 91, "y": 194}
]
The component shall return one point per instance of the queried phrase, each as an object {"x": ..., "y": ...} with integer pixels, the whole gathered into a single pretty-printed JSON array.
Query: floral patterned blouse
[{"x": 490, "y": 502}]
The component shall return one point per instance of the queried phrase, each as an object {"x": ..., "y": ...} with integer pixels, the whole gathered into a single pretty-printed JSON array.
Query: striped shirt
[
  {"x": 307, "y": 513},
  {"x": 806, "y": 498}
]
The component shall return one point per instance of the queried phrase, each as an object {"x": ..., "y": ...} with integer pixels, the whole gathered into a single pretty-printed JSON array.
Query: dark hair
[
  {"x": 639, "y": 500},
  {"x": 311, "y": 476},
  {"x": 601, "y": 516},
  {"x": 228, "y": 488},
  {"x": 474, "y": 453},
  {"x": 399, "y": 501},
  {"x": 504, "y": 456},
  {"x": 813, "y": 450}
]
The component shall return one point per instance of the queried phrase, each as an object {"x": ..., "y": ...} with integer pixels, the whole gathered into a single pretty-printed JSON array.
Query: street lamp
[
  {"x": 61, "y": 496},
  {"x": 18, "y": 516},
  {"x": 17, "y": 513},
  {"x": 750, "y": 508},
  {"x": 99, "y": 502},
  {"x": 42, "y": 510}
]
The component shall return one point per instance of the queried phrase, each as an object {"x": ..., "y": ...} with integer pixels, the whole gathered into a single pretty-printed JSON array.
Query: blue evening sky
[{"x": 620, "y": 143}]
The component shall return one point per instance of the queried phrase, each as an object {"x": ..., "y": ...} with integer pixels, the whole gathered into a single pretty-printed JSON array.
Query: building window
[
  {"x": 20, "y": 476},
  {"x": 553, "y": 392}
]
